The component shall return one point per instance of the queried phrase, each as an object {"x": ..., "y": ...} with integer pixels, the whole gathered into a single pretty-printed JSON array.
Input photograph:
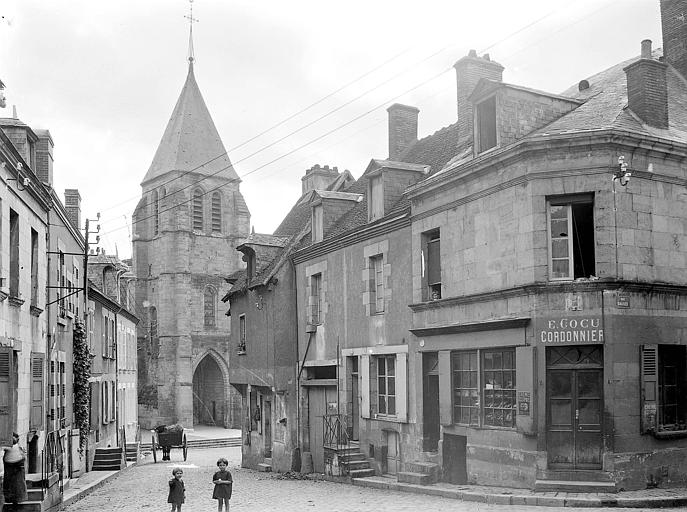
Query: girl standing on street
[
  {"x": 223, "y": 484},
  {"x": 177, "y": 491}
]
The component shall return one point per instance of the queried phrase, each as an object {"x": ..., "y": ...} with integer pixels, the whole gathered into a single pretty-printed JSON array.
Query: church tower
[{"x": 185, "y": 232}]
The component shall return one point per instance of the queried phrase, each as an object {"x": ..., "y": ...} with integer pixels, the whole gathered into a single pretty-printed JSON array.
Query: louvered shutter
[
  {"x": 433, "y": 262},
  {"x": 36, "y": 391},
  {"x": 5, "y": 394},
  {"x": 649, "y": 391},
  {"x": 402, "y": 387}
]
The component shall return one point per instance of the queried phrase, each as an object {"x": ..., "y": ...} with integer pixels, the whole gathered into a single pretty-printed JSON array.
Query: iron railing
[
  {"x": 335, "y": 432},
  {"x": 52, "y": 462}
]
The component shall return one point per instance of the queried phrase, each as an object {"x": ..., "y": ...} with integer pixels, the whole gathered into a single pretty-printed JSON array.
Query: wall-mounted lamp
[
  {"x": 622, "y": 174},
  {"x": 22, "y": 182}
]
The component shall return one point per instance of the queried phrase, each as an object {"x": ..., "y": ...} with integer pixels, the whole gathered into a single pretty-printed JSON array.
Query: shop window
[
  {"x": 484, "y": 387},
  {"x": 386, "y": 385},
  {"x": 431, "y": 265},
  {"x": 377, "y": 284},
  {"x": 664, "y": 389},
  {"x": 571, "y": 237},
  {"x": 485, "y": 113}
]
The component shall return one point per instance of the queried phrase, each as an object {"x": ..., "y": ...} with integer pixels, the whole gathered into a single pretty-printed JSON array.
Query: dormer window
[
  {"x": 376, "y": 198},
  {"x": 317, "y": 223},
  {"x": 250, "y": 260},
  {"x": 485, "y": 124}
]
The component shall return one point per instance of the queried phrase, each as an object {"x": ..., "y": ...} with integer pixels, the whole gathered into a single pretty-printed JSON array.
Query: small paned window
[
  {"x": 571, "y": 238},
  {"x": 465, "y": 390},
  {"x": 316, "y": 299},
  {"x": 486, "y": 124},
  {"x": 386, "y": 385},
  {"x": 498, "y": 368},
  {"x": 377, "y": 283},
  {"x": 216, "y": 212},
  {"x": 197, "y": 210},
  {"x": 664, "y": 389}
]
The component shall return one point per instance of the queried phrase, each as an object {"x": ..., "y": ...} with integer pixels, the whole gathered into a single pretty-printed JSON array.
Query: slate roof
[
  {"x": 191, "y": 141},
  {"x": 606, "y": 102},
  {"x": 266, "y": 240}
]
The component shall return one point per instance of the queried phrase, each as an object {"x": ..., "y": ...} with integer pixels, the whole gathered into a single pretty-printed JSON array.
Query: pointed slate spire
[{"x": 191, "y": 141}]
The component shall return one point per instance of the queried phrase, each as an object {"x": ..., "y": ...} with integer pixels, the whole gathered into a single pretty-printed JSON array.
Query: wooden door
[
  {"x": 317, "y": 407},
  {"x": 430, "y": 402},
  {"x": 574, "y": 418}
]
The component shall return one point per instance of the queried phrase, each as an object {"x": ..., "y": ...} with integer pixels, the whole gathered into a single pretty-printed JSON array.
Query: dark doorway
[
  {"x": 267, "y": 426},
  {"x": 354, "y": 404},
  {"x": 208, "y": 394},
  {"x": 430, "y": 401},
  {"x": 455, "y": 459},
  {"x": 574, "y": 393}
]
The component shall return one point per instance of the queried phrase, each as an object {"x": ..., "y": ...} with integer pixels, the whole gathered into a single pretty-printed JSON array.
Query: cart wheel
[
  {"x": 153, "y": 445},
  {"x": 185, "y": 448}
]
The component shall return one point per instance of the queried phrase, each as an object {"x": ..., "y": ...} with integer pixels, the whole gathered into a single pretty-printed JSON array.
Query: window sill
[
  {"x": 485, "y": 427},
  {"x": 390, "y": 419},
  {"x": 670, "y": 434},
  {"x": 15, "y": 301},
  {"x": 36, "y": 311}
]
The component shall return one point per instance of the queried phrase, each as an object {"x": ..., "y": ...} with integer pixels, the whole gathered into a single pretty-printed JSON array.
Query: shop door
[{"x": 574, "y": 408}]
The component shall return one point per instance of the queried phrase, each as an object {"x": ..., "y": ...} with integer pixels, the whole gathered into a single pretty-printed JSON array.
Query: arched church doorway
[{"x": 209, "y": 394}]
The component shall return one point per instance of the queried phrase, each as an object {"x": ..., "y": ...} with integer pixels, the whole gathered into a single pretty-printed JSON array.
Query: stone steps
[
  {"x": 573, "y": 486},
  {"x": 107, "y": 459},
  {"x": 361, "y": 473},
  {"x": 410, "y": 477}
]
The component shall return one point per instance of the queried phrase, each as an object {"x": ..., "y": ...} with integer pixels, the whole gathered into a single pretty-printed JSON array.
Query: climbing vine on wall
[{"x": 82, "y": 372}]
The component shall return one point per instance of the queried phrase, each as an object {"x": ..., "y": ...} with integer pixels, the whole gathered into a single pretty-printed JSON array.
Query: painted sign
[
  {"x": 523, "y": 403},
  {"x": 570, "y": 331}
]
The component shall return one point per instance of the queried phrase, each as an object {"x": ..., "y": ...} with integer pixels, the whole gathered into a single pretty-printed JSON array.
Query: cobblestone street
[{"x": 144, "y": 488}]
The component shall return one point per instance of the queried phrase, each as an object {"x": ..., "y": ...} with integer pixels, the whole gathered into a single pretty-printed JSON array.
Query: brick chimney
[
  {"x": 72, "y": 203},
  {"x": 44, "y": 158},
  {"x": 470, "y": 70},
  {"x": 674, "y": 25},
  {"x": 647, "y": 90},
  {"x": 402, "y": 129},
  {"x": 318, "y": 178}
]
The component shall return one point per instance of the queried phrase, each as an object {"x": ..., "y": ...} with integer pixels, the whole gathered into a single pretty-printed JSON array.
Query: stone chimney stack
[
  {"x": 318, "y": 178},
  {"x": 470, "y": 70},
  {"x": 44, "y": 158},
  {"x": 674, "y": 26},
  {"x": 647, "y": 89},
  {"x": 402, "y": 129},
  {"x": 72, "y": 203}
]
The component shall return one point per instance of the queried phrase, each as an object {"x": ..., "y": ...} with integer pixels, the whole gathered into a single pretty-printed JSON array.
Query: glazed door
[{"x": 575, "y": 408}]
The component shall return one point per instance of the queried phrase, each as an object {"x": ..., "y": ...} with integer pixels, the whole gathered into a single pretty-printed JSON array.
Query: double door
[{"x": 575, "y": 415}]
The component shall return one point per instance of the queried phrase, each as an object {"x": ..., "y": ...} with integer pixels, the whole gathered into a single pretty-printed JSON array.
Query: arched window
[
  {"x": 197, "y": 210},
  {"x": 209, "y": 300},
  {"x": 216, "y": 212},
  {"x": 156, "y": 213}
]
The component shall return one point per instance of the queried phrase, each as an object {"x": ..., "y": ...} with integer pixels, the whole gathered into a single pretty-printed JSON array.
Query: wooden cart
[{"x": 165, "y": 441}]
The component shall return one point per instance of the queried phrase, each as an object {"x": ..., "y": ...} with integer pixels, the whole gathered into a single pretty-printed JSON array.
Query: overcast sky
[{"x": 103, "y": 77}]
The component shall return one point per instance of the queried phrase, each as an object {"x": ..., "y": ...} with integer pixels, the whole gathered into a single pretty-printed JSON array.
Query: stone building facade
[{"x": 186, "y": 228}]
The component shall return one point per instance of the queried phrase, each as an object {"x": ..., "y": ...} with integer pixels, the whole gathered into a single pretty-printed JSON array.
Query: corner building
[{"x": 186, "y": 228}]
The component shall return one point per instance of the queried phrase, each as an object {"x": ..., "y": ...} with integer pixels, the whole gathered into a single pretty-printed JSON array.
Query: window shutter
[
  {"x": 649, "y": 391},
  {"x": 365, "y": 386},
  {"x": 433, "y": 262},
  {"x": 5, "y": 394},
  {"x": 402, "y": 386},
  {"x": 36, "y": 391},
  {"x": 445, "y": 385}
]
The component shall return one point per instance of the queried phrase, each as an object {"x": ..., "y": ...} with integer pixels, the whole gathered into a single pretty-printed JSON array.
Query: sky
[{"x": 288, "y": 84}]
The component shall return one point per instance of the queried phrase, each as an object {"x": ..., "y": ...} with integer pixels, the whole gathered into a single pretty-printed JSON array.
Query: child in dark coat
[
  {"x": 223, "y": 484},
  {"x": 177, "y": 491}
]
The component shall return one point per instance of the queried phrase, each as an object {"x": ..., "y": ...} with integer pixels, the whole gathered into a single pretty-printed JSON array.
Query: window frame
[
  {"x": 216, "y": 212},
  {"x": 478, "y": 392},
  {"x": 486, "y": 141},
  {"x": 316, "y": 298},
  {"x": 242, "y": 333},
  {"x": 384, "y": 396},
  {"x": 376, "y": 198},
  {"x": 317, "y": 223},
  {"x": 377, "y": 287},
  {"x": 571, "y": 230},
  {"x": 197, "y": 210},
  {"x": 431, "y": 288}
]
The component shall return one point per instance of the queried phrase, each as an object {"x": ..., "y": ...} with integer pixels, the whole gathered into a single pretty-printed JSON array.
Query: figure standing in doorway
[{"x": 14, "y": 483}]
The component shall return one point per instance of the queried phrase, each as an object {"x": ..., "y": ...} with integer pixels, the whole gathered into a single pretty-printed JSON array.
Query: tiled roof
[{"x": 191, "y": 141}]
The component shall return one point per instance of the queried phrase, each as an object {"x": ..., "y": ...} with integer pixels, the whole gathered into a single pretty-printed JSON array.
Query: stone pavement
[{"x": 143, "y": 487}]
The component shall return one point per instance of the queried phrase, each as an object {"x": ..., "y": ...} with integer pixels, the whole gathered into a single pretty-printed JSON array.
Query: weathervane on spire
[{"x": 191, "y": 20}]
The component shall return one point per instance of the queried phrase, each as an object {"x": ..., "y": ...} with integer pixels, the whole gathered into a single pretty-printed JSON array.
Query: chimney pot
[
  {"x": 472, "y": 53},
  {"x": 646, "y": 49},
  {"x": 486, "y": 56}
]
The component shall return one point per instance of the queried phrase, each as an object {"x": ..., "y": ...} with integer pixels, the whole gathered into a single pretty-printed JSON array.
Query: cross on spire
[{"x": 191, "y": 21}]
